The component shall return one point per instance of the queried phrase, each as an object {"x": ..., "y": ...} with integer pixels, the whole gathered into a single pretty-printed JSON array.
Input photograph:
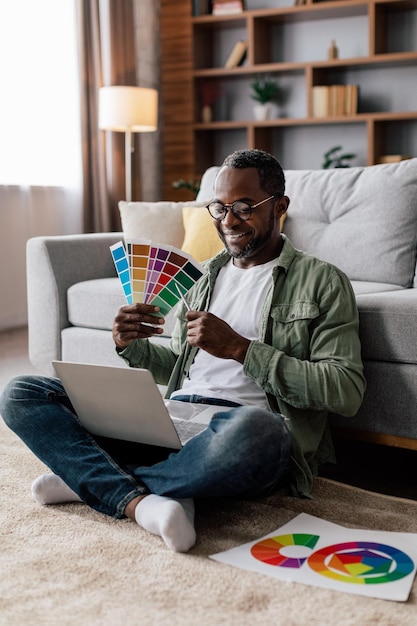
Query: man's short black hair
[{"x": 271, "y": 176}]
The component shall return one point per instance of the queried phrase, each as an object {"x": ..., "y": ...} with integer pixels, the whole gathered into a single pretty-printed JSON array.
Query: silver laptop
[{"x": 126, "y": 403}]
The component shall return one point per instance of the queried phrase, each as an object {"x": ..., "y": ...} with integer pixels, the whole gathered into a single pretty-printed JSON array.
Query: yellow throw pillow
[{"x": 201, "y": 239}]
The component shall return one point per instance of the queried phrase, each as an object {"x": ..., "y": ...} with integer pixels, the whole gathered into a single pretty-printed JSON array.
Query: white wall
[{"x": 24, "y": 213}]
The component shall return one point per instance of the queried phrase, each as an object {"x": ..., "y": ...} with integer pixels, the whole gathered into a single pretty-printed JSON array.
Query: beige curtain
[
  {"x": 111, "y": 44},
  {"x": 148, "y": 55}
]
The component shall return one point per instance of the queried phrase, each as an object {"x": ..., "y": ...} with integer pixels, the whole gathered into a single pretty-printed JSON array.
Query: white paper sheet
[{"x": 315, "y": 552}]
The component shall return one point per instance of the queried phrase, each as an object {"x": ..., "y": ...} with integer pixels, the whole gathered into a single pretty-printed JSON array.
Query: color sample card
[
  {"x": 121, "y": 263},
  {"x": 155, "y": 272},
  {"x": 312, "y": 551},
  {"x": 138, "y": 255}
]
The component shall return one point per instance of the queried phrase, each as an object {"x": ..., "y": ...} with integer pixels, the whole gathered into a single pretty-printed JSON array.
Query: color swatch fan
[{"x": 153, "y": 273}]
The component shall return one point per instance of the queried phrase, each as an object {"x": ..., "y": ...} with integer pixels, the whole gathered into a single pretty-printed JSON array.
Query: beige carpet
[{"x": 68, "y": 565}]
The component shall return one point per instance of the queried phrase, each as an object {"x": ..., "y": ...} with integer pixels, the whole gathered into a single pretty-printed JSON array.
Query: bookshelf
[{"x": 377, "y": 42}]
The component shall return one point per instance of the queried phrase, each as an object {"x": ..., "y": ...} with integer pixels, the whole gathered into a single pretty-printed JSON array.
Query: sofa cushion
[
  {"x": 364, "y": 286},
  {"x": 94, "y": 304},
  {"x": 362, "y": 219},
  {"x": 89, "y": 345},
  {"x": 388, "y": 326},
  {"x": 207, "y": 185},
  {"x": 158, "y": 221}
]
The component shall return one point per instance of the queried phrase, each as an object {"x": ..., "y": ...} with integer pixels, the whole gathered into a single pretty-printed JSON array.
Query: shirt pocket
[{"x": 292, "y": 327}]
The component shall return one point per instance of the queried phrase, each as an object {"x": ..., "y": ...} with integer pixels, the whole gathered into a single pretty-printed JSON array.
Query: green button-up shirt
[{"x": 307, "y": 358}]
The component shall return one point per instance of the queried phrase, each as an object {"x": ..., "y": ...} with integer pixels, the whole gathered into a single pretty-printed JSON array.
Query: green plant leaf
[
  {"x": 332, "y": 151},
  {"x": 264, "y": 90},
  {"x": 191, "y": 185},
  {"x": 332, "y": 159}
]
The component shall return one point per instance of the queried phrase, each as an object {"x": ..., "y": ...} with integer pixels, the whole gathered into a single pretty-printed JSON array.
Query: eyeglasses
[{"x": 240, "y": 209}]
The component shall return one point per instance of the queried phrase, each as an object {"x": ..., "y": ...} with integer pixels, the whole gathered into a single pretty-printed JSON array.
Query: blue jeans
[{"x": 243, "y": 452}]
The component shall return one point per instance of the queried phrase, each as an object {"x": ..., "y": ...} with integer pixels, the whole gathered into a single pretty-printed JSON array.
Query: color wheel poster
[
  {"x": 315, "y": 552},
  {"x": 154, "y": 273}
]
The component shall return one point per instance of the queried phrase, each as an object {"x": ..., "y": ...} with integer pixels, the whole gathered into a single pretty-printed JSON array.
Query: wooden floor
[
  {"x": 14, "y": 354},
  {"x": 378, "y": 468}
]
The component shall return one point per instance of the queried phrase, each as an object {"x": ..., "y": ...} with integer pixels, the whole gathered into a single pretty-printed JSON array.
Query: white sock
[
  {"x": 172, "y": 519},
  {"x": 51, "y": 489}
]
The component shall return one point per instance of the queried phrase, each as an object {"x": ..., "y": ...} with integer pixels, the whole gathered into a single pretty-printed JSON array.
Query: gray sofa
[{"x": 362, "y": 219}]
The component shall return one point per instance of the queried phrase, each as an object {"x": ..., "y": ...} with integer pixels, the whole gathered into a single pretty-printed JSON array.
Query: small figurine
[{"x": 332, "y": 52}]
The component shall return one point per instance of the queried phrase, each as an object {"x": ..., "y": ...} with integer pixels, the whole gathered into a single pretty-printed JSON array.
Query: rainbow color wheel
[
  {"x": 269, "y": 550},
  {"x": 361, "y": 563}
]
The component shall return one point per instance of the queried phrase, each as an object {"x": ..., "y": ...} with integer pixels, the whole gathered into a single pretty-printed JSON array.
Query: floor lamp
[{"x": 128, "y": 110}]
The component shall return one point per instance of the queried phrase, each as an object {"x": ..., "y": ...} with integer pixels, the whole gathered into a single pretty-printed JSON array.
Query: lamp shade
[{"x": 128, "y": 109}]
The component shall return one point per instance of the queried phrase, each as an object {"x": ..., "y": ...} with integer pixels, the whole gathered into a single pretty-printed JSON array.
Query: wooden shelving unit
[
  {"x": 378, "y": 52},
  {"x": 377, "y": 42}
]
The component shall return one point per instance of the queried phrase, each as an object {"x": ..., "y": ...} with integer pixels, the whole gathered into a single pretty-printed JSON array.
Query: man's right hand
[{"x": 136, "y": 321}]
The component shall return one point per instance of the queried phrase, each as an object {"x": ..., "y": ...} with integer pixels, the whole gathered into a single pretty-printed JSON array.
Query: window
[{"x": 39, "y": 94}]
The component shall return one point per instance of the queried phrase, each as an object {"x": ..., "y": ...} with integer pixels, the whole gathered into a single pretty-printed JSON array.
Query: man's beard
[{"x": 254, "y": 243}]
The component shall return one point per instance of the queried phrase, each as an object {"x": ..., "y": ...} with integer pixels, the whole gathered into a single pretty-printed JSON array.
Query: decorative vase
[
  {"x": 206, "y": 114},
  {"x": 262, "y": 112}
]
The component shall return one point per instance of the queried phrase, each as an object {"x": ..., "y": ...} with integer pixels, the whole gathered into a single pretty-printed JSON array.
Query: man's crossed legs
[{"x": 243, "y": 452}]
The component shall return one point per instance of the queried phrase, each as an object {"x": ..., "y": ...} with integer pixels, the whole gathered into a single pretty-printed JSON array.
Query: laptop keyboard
[{"x": 187, "y": 430}]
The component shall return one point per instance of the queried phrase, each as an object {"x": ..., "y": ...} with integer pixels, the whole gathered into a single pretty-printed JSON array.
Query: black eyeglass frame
[{"x": 239, "y": 214}]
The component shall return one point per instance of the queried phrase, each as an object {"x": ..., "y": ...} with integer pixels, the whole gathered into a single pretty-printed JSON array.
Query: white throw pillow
[{"x": 160, "y": 222}]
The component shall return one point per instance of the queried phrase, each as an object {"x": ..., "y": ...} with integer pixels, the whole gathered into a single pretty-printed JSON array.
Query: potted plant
[
  {"x": 333, "y": 158},
  {"x": 265, "y": 92},
  {"x": 190, "y": 185}
]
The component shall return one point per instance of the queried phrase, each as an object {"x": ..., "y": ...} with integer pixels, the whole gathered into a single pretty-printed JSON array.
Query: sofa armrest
[{"x": 53, "y": 264}]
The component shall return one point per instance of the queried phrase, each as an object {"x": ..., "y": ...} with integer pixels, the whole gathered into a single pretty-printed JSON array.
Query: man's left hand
[{"x": 210, "y": 333}]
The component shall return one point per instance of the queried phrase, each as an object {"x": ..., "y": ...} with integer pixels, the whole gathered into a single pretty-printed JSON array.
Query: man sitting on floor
[{"x": 273, "y": 332}]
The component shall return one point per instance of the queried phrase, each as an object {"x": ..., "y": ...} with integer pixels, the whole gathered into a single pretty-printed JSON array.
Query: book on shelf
[
  {"x": 394, "y": 158},
  {"x": 320, "y": 101},
  {"x": 226, "y": 7},
  {"x": 334, "y": 100},
  {"x": 351, "y": 105},
  {"x": 237, "y": 55},
  {"x": 201, "y": 7},
  {"x": 337, "y": 100}
]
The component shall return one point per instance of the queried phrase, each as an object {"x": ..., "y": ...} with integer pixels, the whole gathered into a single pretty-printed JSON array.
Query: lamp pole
[{"x": 128, "y": 165}]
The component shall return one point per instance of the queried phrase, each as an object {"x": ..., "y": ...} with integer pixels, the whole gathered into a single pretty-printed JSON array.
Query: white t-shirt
[{"x": 238, "y": 297}]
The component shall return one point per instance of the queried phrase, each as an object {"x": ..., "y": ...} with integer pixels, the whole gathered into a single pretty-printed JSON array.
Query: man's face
[{"x": 257, "y": 240}]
